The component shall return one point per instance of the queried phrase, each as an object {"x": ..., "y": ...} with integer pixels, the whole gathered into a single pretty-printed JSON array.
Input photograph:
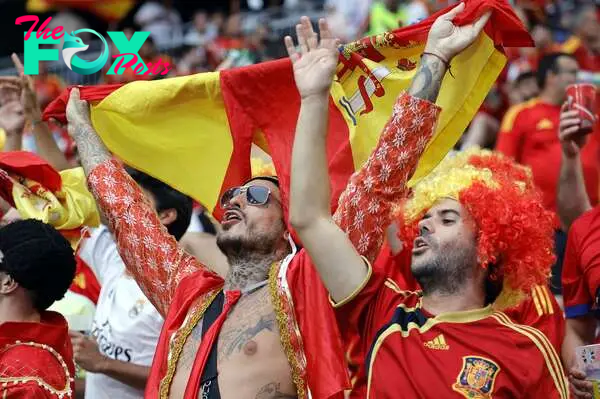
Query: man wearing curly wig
[
  {"x": 538, "y": 309},
  {"x": 481, "y": 241}
]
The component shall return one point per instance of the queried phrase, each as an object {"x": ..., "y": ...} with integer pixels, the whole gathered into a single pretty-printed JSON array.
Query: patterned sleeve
[
  {"x": 150, "y": 253},
  {"x": 364, "y": 209}
]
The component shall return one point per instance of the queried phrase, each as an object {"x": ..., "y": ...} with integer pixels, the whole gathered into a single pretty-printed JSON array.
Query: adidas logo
[{"x": 438, "y": 343}]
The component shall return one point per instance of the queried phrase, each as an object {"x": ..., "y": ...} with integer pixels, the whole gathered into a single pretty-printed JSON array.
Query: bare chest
[
  {"x": 251, "y": 321},
  {"x": 250, "y": 359}
]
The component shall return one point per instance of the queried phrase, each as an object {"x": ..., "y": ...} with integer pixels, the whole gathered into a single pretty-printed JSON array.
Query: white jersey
[{"x": 126, "y": 325}]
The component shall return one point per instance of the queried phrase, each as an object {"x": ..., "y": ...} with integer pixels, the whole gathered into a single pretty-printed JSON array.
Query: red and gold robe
[
  {"x": 182, "y": 289},
  {"x": 36, "y": 359}
]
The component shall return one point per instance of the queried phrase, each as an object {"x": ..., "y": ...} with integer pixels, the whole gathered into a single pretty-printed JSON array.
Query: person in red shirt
[
  {"x": 585, "y": 44},
  {"x": 471, "y": 261},
  {"x": 447, "y": 340},
  {"x": 581, "y": 269},
  {"x": 36, "y": 268},
  {"x": 529, "y": 135},
  {"x": 540, "y": 309},
  {"x": 529, "y": 131}
]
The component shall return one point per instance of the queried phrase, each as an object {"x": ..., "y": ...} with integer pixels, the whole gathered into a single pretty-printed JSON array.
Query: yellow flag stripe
[{"x": 190, "y": 106}]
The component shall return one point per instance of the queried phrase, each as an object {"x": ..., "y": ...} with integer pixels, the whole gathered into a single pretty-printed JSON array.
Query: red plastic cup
[{"x": 581, "y": 97}]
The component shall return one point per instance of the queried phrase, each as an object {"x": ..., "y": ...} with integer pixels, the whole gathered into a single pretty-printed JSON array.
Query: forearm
[
  {"x": 310, "y": 192},
  {"x": 428, "y": 79},
  {"x": 365, "y": 207},
  {"x": 131, "y": 374},
  {"x": 47, "y": 147},
  {"x": 580, "y": 331},
  {"x": 572, "y": 198},
  {"x": 92, "y": 150}
]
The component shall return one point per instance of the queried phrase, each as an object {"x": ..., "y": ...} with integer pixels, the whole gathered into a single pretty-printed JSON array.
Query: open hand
[
  {"x": 568, "y": 129},
  {"x": 86, "y": 353},
  {"x": 314, "y": 66},
  {"x": 446, "y": 39},
  {"x": 24, "y": 86}
]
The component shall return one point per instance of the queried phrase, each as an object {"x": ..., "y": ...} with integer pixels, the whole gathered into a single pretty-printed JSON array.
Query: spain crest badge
[{"x": 477, "y": 377}]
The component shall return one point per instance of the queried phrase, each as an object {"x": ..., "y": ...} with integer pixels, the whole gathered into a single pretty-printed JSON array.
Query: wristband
[{"x": 447, "y": 63}]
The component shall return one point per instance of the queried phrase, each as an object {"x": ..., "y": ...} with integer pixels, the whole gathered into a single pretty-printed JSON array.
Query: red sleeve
[
  {"x": 510, "y": 137},
  {"x": 150, "y": 253},
  {"x": 578, "y": 301},
  {"x": 364, "y": 209},
  {"x": 546, "y": 375},
  {"x": 541, "y": 311},
  {"x": 362, "y": 315}
]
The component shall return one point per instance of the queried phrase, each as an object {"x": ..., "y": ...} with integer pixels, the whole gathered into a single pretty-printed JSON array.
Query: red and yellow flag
[
  {"x": 195, "y": 132},
  {"x": 38, "y": 191}
]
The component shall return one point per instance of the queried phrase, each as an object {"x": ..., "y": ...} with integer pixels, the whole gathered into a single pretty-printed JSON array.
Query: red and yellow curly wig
[{"x": 515, "y": 232}]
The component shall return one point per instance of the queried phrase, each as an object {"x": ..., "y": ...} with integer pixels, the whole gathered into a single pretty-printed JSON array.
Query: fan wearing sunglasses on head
[{"x": 267, "y": 329}]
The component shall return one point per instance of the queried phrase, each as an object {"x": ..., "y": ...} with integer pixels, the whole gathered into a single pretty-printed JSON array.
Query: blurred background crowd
[{"x": 200, "y": 36}]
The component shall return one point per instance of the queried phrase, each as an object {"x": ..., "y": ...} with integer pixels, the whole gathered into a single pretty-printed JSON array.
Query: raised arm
[
  {"x": 572, "y": 197},
  {"x": 150, "y": 253},
  {"x": 365, "y": 206},
  {"x": 46, "y": 146}
]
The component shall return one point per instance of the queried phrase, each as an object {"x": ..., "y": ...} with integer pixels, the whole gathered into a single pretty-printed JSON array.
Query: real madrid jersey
[
  {"x": 472, "y": 354},
  {"x": 126, "y": 325}
]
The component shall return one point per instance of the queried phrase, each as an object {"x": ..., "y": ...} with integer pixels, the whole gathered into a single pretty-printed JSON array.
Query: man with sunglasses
[{"x": 266, "y": 329}]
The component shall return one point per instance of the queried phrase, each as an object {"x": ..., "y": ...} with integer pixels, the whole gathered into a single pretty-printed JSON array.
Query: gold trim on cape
[
  {"x": 286, "y": 322},
  {"x": 176, "y": 345},
  {"x": 6, "y": 382}
]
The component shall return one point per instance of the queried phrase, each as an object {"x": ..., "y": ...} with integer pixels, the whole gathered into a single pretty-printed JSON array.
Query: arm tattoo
[
  {"x": 428, "y": 79},
  {"x": 234, "y": 340},
  {"x": 271, "y": 391},
  {"x": 92, "y": 150}
]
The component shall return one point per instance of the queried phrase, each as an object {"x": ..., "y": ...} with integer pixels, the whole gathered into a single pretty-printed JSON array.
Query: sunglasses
[{"x": 255, "y": 195}]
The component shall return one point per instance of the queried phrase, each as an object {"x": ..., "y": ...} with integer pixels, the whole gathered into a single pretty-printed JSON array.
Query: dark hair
[
  {"x": 272, "y": 179},
  {"x": 166, "y": 197},
  {"x": 549, "y": 63},
  {"x": 39, "y": 259},
  {"x": 525, "y": 76}
]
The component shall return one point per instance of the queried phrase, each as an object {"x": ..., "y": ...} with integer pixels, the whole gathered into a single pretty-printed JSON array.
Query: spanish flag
[
  {"x": 195, "y": 132},
  {"x": 61, "y": 199}
]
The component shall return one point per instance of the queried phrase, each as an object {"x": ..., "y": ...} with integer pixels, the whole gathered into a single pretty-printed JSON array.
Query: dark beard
[
  {"x": 447, "y": 273},
  {"x": 243, "y": 248},
  {"x": 253, "y": 245}
]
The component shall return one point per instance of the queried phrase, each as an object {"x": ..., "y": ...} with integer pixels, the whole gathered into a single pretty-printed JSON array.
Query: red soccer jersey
[
  {"x": 472, "y": 354},
  {"x": 529, "y": 134},
  {"x": 581, "y": 266},
  {"x": 540, "y": 310}
]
